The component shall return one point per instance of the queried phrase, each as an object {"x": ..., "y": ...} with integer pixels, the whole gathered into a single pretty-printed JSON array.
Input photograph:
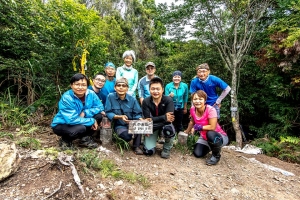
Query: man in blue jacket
[
  {"x": 79, "y": 113},
  {"x": 209, "y": 83}
]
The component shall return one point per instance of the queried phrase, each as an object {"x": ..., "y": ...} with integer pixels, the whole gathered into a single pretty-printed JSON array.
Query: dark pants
[
  {"x": 201, "y": 149},
  {"x": 178, "y": 119},
  {"x": 69, "y": 133},
  {"x": 123, "y": 133}
]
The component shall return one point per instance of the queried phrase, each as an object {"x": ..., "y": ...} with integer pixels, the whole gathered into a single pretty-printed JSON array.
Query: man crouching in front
[
  {"x": 79, "y": 113},
  {"x": 160, "y": 108},
  {"x": 120, "y": 107}
]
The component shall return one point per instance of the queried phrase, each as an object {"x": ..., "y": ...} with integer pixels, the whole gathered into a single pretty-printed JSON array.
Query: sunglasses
[{"x": 121, "y": 85}]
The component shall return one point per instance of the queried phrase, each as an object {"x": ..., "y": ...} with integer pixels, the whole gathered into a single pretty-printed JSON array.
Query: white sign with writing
[{"x": 140, "y": 127}]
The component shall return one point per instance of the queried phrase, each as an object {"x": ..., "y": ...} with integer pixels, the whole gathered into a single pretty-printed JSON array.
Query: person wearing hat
[
  {"x": 209, "y": 84},
  {"x": 129, "y": 72},
  {"x": 120, "y": 108},
  {"x": 179, "y": 92},
  {"x": 143, "y": 85},
  {"x": 109, "y": 86},
  {"x": 160, "y": 109}
]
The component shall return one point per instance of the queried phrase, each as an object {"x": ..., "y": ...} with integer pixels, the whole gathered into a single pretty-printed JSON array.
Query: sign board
[{"x": 140, "y": 127}]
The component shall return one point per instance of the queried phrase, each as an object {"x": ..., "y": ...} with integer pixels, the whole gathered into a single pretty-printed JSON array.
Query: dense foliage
[{"x": 43, "y": 43}]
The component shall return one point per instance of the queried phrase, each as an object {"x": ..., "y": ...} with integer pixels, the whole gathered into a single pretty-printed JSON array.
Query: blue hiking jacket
[{"x": 70, "y": 107}]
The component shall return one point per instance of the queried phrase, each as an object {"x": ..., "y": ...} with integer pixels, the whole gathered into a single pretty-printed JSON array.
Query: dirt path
[{"x": 180, "y": 177}]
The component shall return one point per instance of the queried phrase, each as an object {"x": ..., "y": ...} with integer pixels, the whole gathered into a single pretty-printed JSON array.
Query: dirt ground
[{"x": 180, "y": 177}]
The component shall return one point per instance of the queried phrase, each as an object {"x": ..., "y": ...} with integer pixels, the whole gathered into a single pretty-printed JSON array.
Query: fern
[{"x": 289, "y": 139}]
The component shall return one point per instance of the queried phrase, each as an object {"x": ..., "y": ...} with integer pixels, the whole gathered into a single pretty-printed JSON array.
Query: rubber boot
[{"x": 216, "y": 150}]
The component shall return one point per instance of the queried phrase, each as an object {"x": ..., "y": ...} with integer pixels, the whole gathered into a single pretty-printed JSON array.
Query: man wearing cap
[
  {"x": 109, "y": 86},
  {"x": 179, "y": 92},
  {"x": 143, "y": 85},
  {"x": 160, "y": 109},
  {"x": 121, "y": 107},
  {"x": 208, "y": 83}
]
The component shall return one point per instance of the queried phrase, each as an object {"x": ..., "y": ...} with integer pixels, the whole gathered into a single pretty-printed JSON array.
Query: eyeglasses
[
  {"x": 201, "y": 71},
  {"x": 100, "y": 80},
  {"x": 121, "y": 85},
  {"x": 79, "y": 85}
]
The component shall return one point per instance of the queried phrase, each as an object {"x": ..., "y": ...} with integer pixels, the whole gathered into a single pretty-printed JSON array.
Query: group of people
[{"x": 82, "y": 108}]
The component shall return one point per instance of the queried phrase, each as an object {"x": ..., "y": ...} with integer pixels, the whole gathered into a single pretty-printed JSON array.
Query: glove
[{"x": 198, "y": 127}]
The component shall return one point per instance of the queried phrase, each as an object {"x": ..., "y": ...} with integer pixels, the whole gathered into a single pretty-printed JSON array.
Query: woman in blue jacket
[{"x": 79, "y": 113}]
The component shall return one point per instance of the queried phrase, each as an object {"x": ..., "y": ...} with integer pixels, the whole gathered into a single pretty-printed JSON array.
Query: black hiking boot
[
  {"x": 65, "y": 145},
  {"x": 213, "y": 160},
  {"x": 88, "y": 142}
]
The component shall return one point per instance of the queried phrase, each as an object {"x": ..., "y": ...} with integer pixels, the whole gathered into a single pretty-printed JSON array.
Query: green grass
[
  {"x": 28, "y": 142},
  {"x": 120, "y": 143},
  {"x": 107, "y": 168},
  {"x": 4, "y": 134},
  {"x": 189, "y": 147}
]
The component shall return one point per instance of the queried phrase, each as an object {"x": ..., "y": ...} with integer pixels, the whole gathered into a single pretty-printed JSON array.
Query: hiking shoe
[
  {"x": 165, "y": 154},
  {"x": 88, "y": 142},
  {"x": 65, "y": 145},
  {"x": 138, "y": 151},
  {"x": 161, "y": 140},
  {"x": 213, "y": 160}
]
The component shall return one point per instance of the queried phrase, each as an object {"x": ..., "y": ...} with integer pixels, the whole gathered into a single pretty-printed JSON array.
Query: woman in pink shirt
[{"x": 204, "y": 119}]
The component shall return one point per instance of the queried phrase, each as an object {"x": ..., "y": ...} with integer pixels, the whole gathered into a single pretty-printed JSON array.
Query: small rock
[
  {"x": 235, "y": 191},
  {"x": 118, "y": 183},
  {"x": 205, "y": 185},
  {"x": 69, "y": 185},
  {"x": 156, "y": 173},
  {"x": 47, "y": 191},
  {"x": 101, "y": 186}
]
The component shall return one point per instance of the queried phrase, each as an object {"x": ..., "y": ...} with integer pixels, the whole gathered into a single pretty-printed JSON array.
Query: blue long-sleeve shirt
[
  {"x": 101, "y": 96},
  {"x": 209, "y": 87},
  {"x": 108, "y": 87},
  {"x": 128, "y": 106}
]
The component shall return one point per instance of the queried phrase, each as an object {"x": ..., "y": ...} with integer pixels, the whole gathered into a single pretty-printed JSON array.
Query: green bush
[
  {"x": 284, "y": 150},
  {"x": 28, "y": 142}
]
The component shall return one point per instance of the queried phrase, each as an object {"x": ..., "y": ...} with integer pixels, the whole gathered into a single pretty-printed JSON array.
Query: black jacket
[{"x": 150, "y": 111}]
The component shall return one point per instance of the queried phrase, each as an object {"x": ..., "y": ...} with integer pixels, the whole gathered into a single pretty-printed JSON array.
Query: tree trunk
[{"x": 234, "y": 107}]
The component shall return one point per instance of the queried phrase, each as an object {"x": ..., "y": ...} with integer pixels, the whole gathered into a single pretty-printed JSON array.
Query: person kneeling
[
  {"x": 204, "y": 119},
  {"x": 160, "y": 109},
  {"x": 79, "y": 113},
  {"x": 120, "y": 107}
]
